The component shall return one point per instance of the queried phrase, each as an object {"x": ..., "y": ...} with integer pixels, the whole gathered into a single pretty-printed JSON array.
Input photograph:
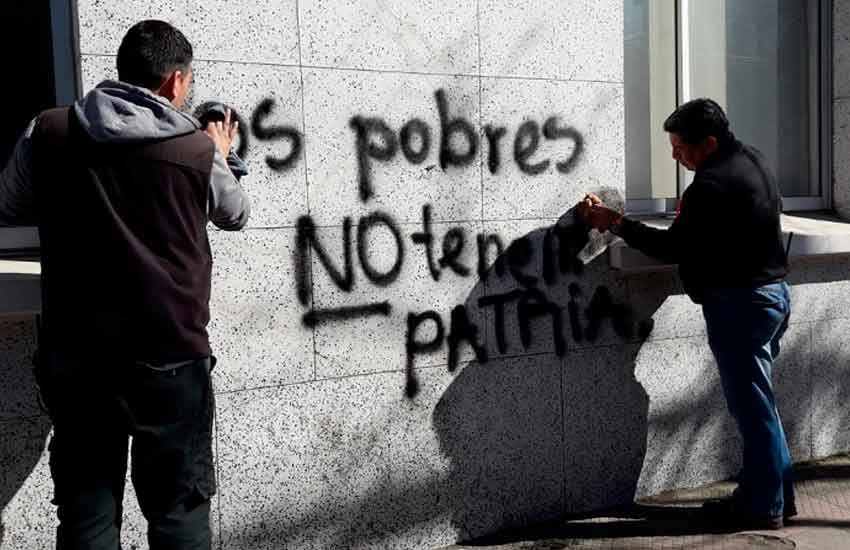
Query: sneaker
[
  {"x": 767, "y": 523},
  {"x": 788, "y": 512},
  {"x": 727, "y": 512}
]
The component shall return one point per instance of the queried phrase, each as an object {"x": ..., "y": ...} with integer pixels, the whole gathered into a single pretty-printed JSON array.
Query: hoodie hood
[{"x": 118, "y": 112}]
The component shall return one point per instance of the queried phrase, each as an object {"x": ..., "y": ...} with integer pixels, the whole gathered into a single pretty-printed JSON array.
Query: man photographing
[
  {"x": 121, "y": 186},
  {"x": 727, "y": 242}
]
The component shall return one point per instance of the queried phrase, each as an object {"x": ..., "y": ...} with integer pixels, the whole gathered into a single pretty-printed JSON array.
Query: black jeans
[{"x": 168, "y": 412}]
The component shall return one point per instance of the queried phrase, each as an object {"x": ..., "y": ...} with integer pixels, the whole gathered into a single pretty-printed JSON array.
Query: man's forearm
[
  {"x": 228, "y": 207},
  {"x": 658, "y": 243}
]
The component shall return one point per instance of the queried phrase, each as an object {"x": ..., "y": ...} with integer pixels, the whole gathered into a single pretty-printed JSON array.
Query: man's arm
[
  {"x": 228, "y": 206},
  {"x": 662, "y": 244},
  {"x": 17, "y": 195},
  {"x": 667, "y": 245}
]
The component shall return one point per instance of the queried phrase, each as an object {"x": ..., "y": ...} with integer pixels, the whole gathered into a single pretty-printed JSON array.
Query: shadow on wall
[
  {"x": 548, "y": 420},
  {"x": 824, "y": 295},
  {"x": 377, "y": 521},
  {"x": 554, "y": 421},
  {"x": 537, "y": 431},
  {"x": 540, "y": 430},
  {"x": 23, "y": 429}
]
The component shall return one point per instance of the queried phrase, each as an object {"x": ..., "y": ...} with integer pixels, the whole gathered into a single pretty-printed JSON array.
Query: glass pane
[
  {"x": 753, "y": 57},
  {"x": 650, "y": 94}
]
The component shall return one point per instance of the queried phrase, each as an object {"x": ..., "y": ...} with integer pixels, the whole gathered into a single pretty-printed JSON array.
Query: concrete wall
[
  {"x": 318, "y": 444},
  {"x": 841, "y": 106}
]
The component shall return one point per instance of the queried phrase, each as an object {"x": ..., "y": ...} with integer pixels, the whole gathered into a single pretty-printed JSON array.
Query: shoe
[
  {"x": 728, "y": 512},
  {"x": 767, "y": 523},
  {"x": 788, "y": 513}
]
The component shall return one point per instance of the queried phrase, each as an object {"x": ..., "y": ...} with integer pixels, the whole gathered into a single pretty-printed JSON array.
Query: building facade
[{"x": 404, "y": 358}]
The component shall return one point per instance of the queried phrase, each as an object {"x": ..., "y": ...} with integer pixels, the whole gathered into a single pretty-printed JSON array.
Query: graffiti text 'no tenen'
[{"x": 535, "y": 269}]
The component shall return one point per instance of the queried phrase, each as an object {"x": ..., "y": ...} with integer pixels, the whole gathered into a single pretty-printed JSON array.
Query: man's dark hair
[
  {"x": 697, "y": 119},
  {"x": 151, "y": 50}
]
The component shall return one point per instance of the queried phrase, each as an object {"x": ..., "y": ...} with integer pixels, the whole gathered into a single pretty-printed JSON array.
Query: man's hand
[
  {"x": 585, "y": 207},
  {"x": 223, "y": 133},
  {"x": 595, "y": 214}
]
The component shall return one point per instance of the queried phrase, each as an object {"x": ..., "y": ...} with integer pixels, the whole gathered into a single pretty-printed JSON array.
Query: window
[
  {"x": 767, "y": 62},
  {"x": 47, "y": 76}
]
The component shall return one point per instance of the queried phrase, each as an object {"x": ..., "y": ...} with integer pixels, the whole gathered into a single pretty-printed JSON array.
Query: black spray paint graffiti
[
  {"x": 274, "y": 133},
  {"x": 557, "y": 256},
  {"x": 458, "y": 142},
  {"x": 453, "y": 243},
  {"x": 375, "y": 140}
]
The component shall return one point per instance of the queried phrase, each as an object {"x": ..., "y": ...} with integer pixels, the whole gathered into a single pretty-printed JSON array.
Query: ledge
[
  {"x": 20, "y": 288},
  {"x": 19, "y": 242},
  {"x": 810, "y": 233}
]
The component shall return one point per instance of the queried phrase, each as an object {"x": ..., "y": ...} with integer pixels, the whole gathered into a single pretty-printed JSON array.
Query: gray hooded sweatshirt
[{"x": 117, "y": 112}]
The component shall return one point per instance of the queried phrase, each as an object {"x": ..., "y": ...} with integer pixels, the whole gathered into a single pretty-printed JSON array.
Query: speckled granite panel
[
  {"x": 134, "y": 528},
  {"x": 555, "y": 306},
  {"x": 353, "y": 464},
  {"x": 691, "y": 438},
  {"x": 820, "y": 288},
  {"x": 605, "y": 427},
  {"x": 841, "y": 48},
  {"x": 841, "y": 153},
  {"x": 501, "y": 426},
  {"x": 560, "y": 140},
  {"x": 792, "y": 379},
  {"x": 402, "y": 174},
  {"x": 252, "y": 30},
  {"x": 830, "y": 391},
  {"x": 358, "y": 344},
  {"x": 27, "y": 519},
  {"x": 18, "y": 392},
  {"x": 506, "y": 282},
  {"x": 395, "y": 35},
  {"x": 582, "y": 40},
  {"x": 660, "y": 296},
  {"x": 334, "y": 464},
  {"x": 255, "y": 330},
  {"x": 95, "y": 68}
]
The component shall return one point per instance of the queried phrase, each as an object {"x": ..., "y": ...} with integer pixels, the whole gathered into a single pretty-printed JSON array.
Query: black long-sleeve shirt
[{"x": 727, "y": 233}]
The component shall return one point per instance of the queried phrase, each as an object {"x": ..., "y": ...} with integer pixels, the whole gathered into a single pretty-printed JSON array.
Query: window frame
[
  {"x": 64, "y": 23},
  {"x": 820, "y": 112}
]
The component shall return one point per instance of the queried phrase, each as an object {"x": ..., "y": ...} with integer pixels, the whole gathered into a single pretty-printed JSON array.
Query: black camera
[{"x": 213, "y": 111}]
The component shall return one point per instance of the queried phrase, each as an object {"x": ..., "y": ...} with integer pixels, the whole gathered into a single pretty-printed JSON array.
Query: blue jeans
[{"x": 744, "y": 328}]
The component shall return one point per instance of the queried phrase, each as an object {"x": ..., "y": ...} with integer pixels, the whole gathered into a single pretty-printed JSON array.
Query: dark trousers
[
  {"x": 744, "y": 328},
  {"x": 95, "y": 407}
]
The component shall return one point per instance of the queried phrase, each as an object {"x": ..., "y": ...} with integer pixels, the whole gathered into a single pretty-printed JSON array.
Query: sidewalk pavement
[{"x": 672, "y": 521}]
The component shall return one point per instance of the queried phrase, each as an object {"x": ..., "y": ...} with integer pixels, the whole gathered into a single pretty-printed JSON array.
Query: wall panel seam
[
  {"x": 306, "y": 170},
  {"x": 619, "y": 83}
]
